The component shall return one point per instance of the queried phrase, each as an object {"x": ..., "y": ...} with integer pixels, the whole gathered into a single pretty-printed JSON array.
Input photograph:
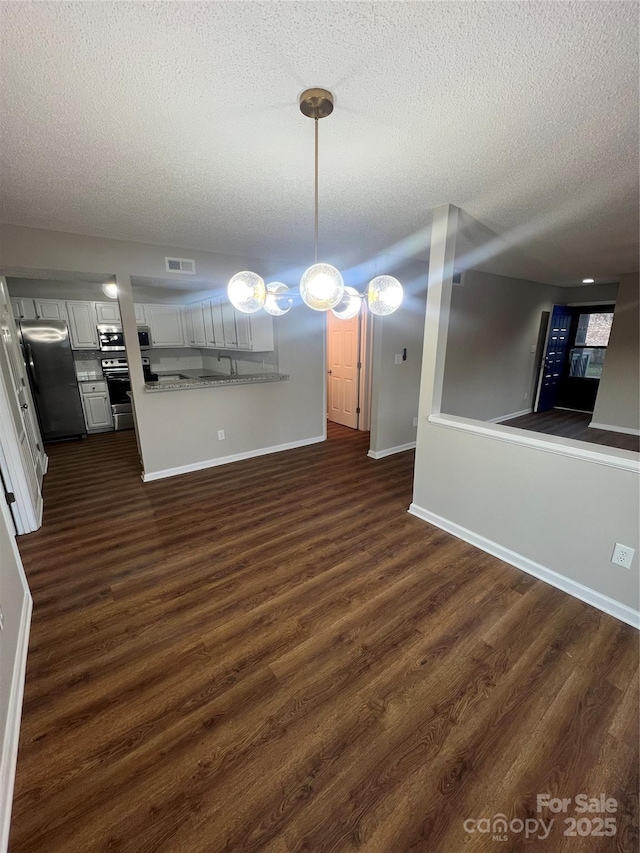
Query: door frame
[
  {"x": 574, "y": 309},
  {"x": 27, "y": 515},
  {"x": 365, "y": 371}
]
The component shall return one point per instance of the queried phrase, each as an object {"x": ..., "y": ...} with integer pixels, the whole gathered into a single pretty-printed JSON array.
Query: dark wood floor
[
  {"x": 574, "y": 425},
  {"x": 274, "y": 656}
]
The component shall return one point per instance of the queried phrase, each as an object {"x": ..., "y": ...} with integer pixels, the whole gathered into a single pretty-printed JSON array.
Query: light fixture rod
[{"x": 315, "y": 236}]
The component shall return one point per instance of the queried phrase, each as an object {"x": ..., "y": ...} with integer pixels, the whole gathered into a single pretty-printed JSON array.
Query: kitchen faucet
[{"x": 232, "y": 370}]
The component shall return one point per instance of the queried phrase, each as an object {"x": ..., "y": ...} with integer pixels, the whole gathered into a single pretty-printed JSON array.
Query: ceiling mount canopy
[
  {"x": 321, "y": 287},
  {"x": 316, "y": 103}
]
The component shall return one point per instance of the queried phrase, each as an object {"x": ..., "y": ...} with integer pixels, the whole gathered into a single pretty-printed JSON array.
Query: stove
[{"x": 116, "y": 373}]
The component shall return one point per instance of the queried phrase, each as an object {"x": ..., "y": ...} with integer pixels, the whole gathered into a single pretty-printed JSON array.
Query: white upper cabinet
[
  {"x": 243, "y": 330},
  {"x": 50, "y": 309},
  {"x": 140, "y": 314},
  {"x": 262, "y": 332},
  {"x": 166, "y": 325},
  {"x": 82, "y": 325},
  {"x": 196, "y": 325},
  {"x": 23, "y": 309},
  {"x": 107, "y": 312},
  {"x": 225, "y": 328},
  {"x": 213, "y": 324},
  {"x": 229, "y": 326}
]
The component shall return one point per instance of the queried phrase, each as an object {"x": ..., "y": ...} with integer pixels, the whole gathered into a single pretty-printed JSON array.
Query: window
[
  {"x": 594, "y": 329},
  {"x": 586, "y": 359},
  {"x": 587, "y": 362}
]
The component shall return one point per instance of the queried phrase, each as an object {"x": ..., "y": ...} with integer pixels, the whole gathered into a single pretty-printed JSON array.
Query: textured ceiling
[{"x": 178, "y": 123}]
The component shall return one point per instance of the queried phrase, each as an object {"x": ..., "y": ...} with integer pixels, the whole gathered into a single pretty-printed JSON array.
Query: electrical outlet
[
  {"x": 220, "y": 435},
  {"x": 526, "y": 395},
  {"x": 622, "y": 555},
  {"x": 415, "y": 422},
  {"x": 1, "y": 620},
  {"x": 398, "y": 358}
]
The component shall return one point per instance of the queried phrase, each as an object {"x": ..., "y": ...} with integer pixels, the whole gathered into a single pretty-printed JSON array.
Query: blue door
[{"x": 555, "y": 357}]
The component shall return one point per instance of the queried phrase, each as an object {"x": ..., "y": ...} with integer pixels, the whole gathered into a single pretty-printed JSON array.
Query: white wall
[
  {"x": 396, "y": 387},
  {"x": 589, "y": 293},
  {"x": 16, "y": 607},
  {"x": 180, "y": 428},
  {"x": 544, "y": 504},
  {"x": 618, "y": 401},
  {"x": 494, "y": 322}
]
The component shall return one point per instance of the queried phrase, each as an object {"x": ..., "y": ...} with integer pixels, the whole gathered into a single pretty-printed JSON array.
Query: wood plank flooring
[
  {"x": 274, "y": 656},
  {"x": 568, "y": 424}
]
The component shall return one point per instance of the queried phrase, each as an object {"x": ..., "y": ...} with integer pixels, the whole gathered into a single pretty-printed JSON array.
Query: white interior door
[{"x": 343, "y": 347}]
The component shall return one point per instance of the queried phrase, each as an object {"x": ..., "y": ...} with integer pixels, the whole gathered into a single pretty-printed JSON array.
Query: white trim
[
  {"x": 11, "y": 737},
  {"x": 627, "y": 460},
  {"x": 597, "y": 301},
  {"x": 226, "y": 460},
  {"x": 508, "y": 417},
  {"x": 389, "y": 451},
  {"x": 611, "y": 428},
  {"x": 577, "y": 590}
]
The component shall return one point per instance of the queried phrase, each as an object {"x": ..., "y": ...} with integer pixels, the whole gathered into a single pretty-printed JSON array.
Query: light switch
[{"x": 398, "y": 358}]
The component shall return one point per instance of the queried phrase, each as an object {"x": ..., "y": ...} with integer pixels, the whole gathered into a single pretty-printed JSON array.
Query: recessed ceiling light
[{"x": 588, "y": 280}]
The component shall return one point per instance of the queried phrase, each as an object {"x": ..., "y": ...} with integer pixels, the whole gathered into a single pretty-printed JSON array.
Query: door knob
[
  {"x": 329, "y": 371},
  {"x": 24, "y": 406}
]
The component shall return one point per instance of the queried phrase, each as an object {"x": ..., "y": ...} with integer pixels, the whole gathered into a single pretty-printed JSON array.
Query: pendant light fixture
[{"x": 322, "y": 287}]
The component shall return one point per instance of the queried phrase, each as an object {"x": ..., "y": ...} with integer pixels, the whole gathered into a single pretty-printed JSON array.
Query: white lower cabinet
[{"x": 98, "y": 416}]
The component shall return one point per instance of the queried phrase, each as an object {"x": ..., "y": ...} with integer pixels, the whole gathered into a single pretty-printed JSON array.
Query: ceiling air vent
[{"x": 183, "y": 265}]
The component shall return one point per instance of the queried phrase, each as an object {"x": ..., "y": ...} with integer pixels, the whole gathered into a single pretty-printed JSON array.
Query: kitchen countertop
[{"x": 202, "y": 379}]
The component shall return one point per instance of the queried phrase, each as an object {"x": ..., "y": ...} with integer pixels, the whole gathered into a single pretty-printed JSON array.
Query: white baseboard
[
  {"x": 502, "y": 418},
  {"x": 389, "y": 451},
  {"x": 11, "y": 737},
  {"x": 577, "y": 590},
  {"x": 226, "y": 460},
  {"x": 611, "y": 428}
]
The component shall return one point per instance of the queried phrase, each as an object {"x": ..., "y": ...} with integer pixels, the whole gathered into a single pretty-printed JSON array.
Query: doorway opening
[
  {"x": 349, "y": 371},
  {"x": 574, "y": 356}
]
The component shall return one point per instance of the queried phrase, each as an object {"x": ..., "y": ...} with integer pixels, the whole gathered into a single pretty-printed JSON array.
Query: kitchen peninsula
[{"x": 202, "y": 379}]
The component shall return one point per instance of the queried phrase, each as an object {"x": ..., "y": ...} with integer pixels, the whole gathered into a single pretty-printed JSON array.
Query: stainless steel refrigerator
[{"x": 52, "y": 376}]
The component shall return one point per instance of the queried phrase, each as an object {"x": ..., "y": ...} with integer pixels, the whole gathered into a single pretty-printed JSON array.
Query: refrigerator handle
[{"x": 32, "y": 369}]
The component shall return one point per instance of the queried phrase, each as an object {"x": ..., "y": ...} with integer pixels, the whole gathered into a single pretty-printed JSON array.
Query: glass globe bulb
[
  {"x": 110, "y": 289},
  {"x": 349, "y": 306},
  {"x": 247, "y": 292},
  {"x": 277, "y": 302},
  {"x": 321, "y": 287},
  {"x": 384, "y": 295}
]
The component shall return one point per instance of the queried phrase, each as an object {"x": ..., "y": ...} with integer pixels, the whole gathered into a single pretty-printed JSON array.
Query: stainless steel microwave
[{"x": 111, "y": 338}]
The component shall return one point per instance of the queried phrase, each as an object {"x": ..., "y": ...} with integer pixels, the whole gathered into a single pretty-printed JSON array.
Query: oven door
[{"x": 118, "y": 386}]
